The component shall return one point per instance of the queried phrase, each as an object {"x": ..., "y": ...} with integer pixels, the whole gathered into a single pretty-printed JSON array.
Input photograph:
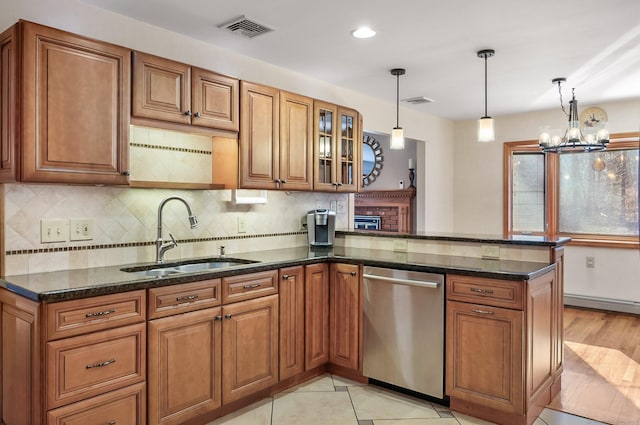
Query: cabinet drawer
[
  {"x": 125, "y": 406},
  {"x": 177, "y": 299},
  {"x": 499, "y": 293},
  {"x": 248, "y": 286},
  {"x": 69, "y": 318},
  {"x": 93, "y": 364}
]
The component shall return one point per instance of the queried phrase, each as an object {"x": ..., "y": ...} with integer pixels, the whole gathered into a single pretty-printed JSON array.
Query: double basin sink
[{"x": 161, "y": 270}]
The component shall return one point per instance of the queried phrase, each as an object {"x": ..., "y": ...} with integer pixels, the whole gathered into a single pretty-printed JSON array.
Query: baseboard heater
[{"x": 622, "y": 306}]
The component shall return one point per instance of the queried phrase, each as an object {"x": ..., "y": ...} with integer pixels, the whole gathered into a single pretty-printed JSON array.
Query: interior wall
[
  {"x": 81, "y": 18},
  {"x": 478, "y": 202},
  {"x": 395, "y": 164}
]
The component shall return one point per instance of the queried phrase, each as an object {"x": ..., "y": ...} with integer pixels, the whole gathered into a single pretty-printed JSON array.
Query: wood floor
[{"x": 601, "y": 378}]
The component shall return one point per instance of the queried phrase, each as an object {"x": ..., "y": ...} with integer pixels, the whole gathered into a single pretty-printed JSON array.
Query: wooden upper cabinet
[
  {"x": 337, "y": 148},
  {"x": 8, "y": 104},
  {"x": 161, "y": 89},
  {"x": 215, "y": 100},
  {"x": 75, "y": 108},
  {"x": 296, "y": 141},
  {"x": 171, "y": 91},
  {"x": 259, "y": 136}
]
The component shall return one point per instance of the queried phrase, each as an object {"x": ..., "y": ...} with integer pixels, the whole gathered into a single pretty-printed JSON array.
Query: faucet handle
[{"x": 175, "y": 243}]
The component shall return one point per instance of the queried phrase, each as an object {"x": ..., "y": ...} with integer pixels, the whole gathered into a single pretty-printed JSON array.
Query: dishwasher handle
[{"x": 420, "y": 283}]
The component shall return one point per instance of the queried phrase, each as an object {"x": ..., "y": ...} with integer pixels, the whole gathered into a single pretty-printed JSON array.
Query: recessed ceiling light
[{"x": 363, "y": 32}]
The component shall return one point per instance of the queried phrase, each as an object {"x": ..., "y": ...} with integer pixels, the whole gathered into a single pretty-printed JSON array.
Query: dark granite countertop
[
  {"x": 531, "y": 240},
  {"x": 82, "y": 283}
]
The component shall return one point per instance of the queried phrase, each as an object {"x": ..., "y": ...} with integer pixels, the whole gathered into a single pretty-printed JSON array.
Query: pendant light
[
  {"x": 397, "y": 135},
  {"x": 486, "y": 132}
]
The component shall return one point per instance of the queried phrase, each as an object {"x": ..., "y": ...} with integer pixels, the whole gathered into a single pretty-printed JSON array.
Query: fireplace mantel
[{"x": 395, "y": 207}]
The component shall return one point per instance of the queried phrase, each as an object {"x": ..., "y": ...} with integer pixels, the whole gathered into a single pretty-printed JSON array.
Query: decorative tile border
[
  {"x": 140, "y": 244},
  {"x": 169, "y": 148}
]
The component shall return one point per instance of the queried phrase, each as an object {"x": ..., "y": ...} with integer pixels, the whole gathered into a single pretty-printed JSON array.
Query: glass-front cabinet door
[
  {"x": 337, "y": 148},
  {"x": 348, "y": 174}
]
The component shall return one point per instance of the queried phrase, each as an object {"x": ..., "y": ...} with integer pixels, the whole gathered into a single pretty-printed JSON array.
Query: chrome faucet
[{"x": 161, "y": 246}]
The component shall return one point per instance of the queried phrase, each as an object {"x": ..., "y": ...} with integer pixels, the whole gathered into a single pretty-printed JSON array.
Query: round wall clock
[{"x": 592, "y": 117}]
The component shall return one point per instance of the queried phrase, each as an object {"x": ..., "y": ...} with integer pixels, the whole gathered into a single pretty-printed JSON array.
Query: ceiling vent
[
  {"x": 418, "y": 100},
  {"x": 245, "y": 27}
]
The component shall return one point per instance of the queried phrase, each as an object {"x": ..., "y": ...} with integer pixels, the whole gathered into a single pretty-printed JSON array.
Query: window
[{"x": 590, "y": 196}]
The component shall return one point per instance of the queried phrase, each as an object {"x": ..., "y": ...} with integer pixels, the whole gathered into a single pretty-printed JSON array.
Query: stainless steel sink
[{"x": 185, "y": 267}]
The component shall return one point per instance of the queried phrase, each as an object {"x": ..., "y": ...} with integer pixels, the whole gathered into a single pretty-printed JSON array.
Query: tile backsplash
[{"x": 125, "y": 224}]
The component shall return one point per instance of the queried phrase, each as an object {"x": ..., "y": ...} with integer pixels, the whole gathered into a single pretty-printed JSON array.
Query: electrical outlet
[
  {"x": 242, "y": 224},
  {"x": 591, "y": 262},
  {"x": 400, "y": 245},
  {"x": 80, "y": 229},
  {"x": 490, "y": 251},
  {"x": 302, "y": 225},
  {"x": 53, "y": 230}
]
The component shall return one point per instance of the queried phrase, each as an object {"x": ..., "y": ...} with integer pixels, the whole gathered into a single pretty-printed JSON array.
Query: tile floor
[{"x": 331, "y": 400}]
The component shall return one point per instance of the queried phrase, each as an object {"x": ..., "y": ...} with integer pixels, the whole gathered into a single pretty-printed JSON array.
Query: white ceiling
[{"x": 594, "y": 43}]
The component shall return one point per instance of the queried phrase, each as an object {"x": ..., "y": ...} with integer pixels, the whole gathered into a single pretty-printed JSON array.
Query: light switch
[{"x": 53, "y": 230}]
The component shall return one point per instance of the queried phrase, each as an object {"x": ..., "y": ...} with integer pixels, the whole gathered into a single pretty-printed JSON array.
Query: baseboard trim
[{"x": 602, "y": 303}]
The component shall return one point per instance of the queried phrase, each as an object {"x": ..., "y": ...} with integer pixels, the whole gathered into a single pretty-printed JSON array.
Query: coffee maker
[{"x": 321, "y": 227}]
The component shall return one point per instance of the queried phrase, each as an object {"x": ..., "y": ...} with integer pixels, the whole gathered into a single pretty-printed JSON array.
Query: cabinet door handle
[
  {"x": 283, "y": 181},
  {"x": 277, "y": 181},
  {"x": 482, "y": 291},
  {"x": 218, "y": 317},
  {"x": 188, "y": 113},
  {"x": 101, "y": 364},
  {"x": 113, "y": 422},
  {"x": 252, "y": 285},
  {"x": 198, "y": 115},
  {"x": 227, "y": 316},
  {"x": 353, "y": 273},
  {"x": 100, "y": 313},
  {"x": 285, "y": 277},
  {"x": 187, "y": 298},
  {"x": 475, "y": 310},
  {"x": 126, "y": 173}
]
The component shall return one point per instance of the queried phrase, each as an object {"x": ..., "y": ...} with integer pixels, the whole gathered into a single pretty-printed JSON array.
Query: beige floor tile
[
  {"x": 339, "y": 381},
  {"x": 313, "y": 408},
  {"x": 378, "y": 403},
  {"x": 432, "y": 421},
  {"x": 321, "y": 383},
  {"x": 256, "y": 414},
  {"x": 469, "y": 420}
]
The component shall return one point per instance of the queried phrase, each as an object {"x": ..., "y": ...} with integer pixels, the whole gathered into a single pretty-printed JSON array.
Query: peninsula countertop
[{"x": 82, "y": 283}]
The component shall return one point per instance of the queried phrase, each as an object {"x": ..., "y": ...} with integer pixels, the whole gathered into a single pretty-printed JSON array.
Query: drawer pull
[
  {"x": 482, "y": 311},
  {"x": 187, "y": 298},
  {"x": 285, "y": 277},
  {"x": 353, "y": 273},
  {"x": 100, "y": 313},
  {"x": 101, "y": 364},
  {"x": 218, "y": 317},
  {"x": 113, "y": 422},
  {"x": 227, "y": 316},
  {"x": 252, "y": 285},
  {"x": 482, "y": 291}
]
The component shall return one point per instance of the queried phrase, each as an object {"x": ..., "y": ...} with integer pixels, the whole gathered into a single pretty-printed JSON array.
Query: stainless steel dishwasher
[{"x": 404, "y": 329}]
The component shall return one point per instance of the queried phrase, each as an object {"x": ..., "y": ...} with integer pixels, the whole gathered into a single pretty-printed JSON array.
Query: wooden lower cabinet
[
  {"x": 124, "y": 406},
  {"x": 484, "y": 351},
  {"x": 316, "y": 300},
  {"x": 249, "y": 347},
  {"x": 185, "y": 366},
  {"x": 501, "y": 362},
  {"x": 291, "y": 301},
  {"x": 345, "y": 315}
]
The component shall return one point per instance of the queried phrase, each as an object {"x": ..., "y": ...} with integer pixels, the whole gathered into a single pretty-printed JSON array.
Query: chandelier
[{"x": 588, "y": 136}]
